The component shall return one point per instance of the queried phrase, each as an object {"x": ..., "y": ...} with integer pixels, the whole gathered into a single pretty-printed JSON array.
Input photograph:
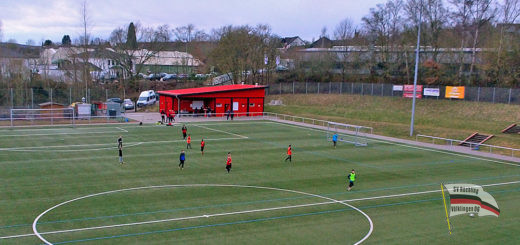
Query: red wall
[
  {"x": 256, "y": 106},
  {"x": 222, "y": 102},
  {"x": 165, "y": 103},
  {"x": 242, "y": 106},
  {"x": 240, "y": 93},
  {"x": 245, "y": 99}
]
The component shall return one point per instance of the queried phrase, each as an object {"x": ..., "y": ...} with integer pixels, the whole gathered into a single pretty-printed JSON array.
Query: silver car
[{"x": 128, "y": 104}]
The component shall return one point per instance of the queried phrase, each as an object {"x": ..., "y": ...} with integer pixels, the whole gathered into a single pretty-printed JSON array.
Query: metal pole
[
  {"x": 305, "y": 87},
  {"x": 416, "y": 70},
  {"x": 70, "y": 95},
  {"x": 12, "y": 99},
  {"x": 352, "y": 88},
  {"x": 32, "y": 98},
  {"x": 318, "y": 88},
  {"x": 372, "y": 92},
  {"x": 382, "y": 89},
  {"x": 292, "y": 87},
  {"x": 341, "y": 87},
  {"x": 280, "y": 88},
  {"x": 478, "y": 94},
  {"x": 330, "y": 86},
  {"x": 52, "y": 116},
  {"x": 494, "y": 88},
  {"x": 362, "y": 89},
  {"x": 509, "y": 101}
]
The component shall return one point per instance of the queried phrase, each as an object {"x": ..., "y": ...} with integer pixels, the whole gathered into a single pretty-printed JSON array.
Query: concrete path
[{"x": 154, "y": 117}]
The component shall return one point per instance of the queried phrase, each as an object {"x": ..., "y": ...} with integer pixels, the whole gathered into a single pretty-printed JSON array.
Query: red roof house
[{"x": 242, "y": 100}]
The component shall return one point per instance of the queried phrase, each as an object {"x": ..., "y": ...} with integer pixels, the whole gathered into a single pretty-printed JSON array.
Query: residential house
[
  {"x": 289, "y": 42},
  {"x": 18, "y": 59}
]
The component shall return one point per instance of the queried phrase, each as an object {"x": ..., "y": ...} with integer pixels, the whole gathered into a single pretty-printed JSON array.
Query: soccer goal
[
  {"x": 352, "y": 134},
  {"x": 42, "y": 117}
]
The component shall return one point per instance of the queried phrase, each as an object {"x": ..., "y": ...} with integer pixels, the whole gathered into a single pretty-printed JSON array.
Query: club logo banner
[{"x": 471, "y": 199}]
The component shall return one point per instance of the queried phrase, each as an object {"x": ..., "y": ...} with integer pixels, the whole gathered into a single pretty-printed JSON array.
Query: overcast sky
[{"x": 51, "y": 19}]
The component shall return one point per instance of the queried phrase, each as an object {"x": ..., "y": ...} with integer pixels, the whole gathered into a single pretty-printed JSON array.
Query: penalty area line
[
  {"x": 405, "y": 145},
  {"x": 221, "y": 131},
  {"x": 58, "y": 148}
]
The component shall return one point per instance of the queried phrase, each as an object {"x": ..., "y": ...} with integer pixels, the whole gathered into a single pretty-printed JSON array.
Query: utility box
[{"x": 113, "y": 109}]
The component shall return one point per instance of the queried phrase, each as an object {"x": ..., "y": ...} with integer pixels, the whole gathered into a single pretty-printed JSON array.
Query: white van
[{"x": 147, "y": 98}]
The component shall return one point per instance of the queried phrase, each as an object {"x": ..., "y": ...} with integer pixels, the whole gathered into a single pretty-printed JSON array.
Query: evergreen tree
[
  {"x": 131, "y": 40},
  {"x": 66, "y": 40},
  {"x": 47, "y": 43}
]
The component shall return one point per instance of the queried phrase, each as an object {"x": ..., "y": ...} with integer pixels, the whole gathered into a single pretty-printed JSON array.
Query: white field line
[
  {"x": 126, "y": 144},
  {"x": 409, "y": 146},
  {"x": 245, "y": 211},
  {"x": 56, "y": 129},
  {"x": 124, "y": 130},
  {"x": 35, "y": 222},
  {"x": 221, "y": 131},
  {"x": 24, "y": 135}
]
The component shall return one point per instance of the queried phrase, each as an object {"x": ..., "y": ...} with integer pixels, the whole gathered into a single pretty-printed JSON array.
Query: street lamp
[{"x": 416, "y": 69}]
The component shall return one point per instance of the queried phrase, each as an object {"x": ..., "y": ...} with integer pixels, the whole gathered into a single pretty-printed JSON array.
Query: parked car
[
  {"x": 146, "y": 98},
  {"x": 128, "y": 104},
  {"x": 116, "y": 100},
  {"x": 169, "y": 77}
]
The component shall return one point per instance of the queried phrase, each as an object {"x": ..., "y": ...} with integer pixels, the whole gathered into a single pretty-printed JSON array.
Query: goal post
[
  {"x": 352, "y": 134},
  {"x": 42, "y": 117}
]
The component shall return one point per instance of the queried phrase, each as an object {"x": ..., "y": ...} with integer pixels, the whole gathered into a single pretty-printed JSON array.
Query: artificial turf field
[{"x": 203, "y": 204}]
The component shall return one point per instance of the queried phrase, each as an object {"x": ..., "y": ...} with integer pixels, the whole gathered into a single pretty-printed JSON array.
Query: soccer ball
[{"x": 472, "y": 215}]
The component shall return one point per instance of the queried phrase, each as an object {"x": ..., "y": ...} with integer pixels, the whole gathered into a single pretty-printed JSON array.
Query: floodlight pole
[{"x": 416, "y": 69}]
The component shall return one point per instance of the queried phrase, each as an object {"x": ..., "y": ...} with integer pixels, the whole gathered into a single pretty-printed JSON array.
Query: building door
[{"x": 222, "y": 105}]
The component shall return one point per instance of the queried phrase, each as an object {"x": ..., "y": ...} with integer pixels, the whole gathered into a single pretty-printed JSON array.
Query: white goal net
[
  {"x": 352, "y": 134},
  {"x": 29, "y": 117}
]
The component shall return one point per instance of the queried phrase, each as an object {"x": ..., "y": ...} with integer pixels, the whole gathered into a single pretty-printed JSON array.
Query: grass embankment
[{"x": 390, "y": 116}]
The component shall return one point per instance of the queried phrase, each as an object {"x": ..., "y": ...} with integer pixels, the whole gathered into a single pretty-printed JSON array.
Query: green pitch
[{"x": 264, "y": 200}]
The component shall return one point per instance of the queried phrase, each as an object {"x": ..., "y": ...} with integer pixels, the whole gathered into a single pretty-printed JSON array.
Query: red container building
[{"x": 241, "y": 99}]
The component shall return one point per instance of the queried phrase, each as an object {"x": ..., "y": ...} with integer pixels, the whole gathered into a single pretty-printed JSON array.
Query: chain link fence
[{"x": 478, "y": 94}]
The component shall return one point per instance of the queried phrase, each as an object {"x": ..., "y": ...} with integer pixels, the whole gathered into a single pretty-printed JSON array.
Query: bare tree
[
  {"x": 131, "y": 60},
  {"x": 241, "y": 50},
  {"x": 383, "y": 25},
  {"x": 434, "y": 19},
  {"x": 84, "y": 38},
  {"x": 460, "y": 16},
  {"x": 509, "y": 12},
  {"x": 324, "y": 32},
  {"x": 188, "y": 34},
  {"x": 30, "y": 42},
  {"x": 344, "y": 32},
  {"x": 482, "y": 12}
]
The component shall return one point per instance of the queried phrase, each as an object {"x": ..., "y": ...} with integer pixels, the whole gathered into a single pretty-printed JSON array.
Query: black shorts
[
  {"x": 351, "y": 183},
  {"x": 334, "y": 142},
  {"x": 228, "y": 166},
  {"x": 182, "y": 161},
  {"x": 202, "y": 148}
]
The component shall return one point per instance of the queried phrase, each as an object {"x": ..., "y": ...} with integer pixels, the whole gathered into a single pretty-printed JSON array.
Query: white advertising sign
[
  {"x": 397, "y": 88},
  {"x": 432, "y": 92}
]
